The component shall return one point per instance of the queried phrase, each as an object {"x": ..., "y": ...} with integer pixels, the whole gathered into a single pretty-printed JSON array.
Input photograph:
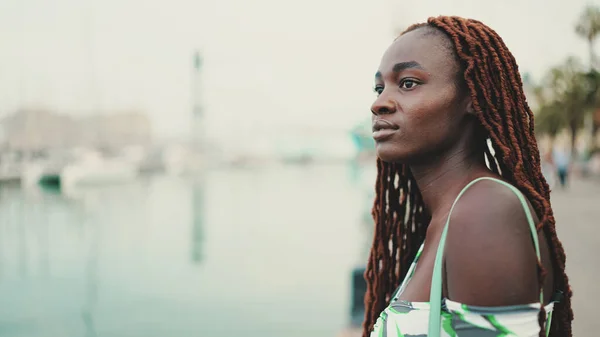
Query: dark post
[{"x": 357, "y": 304}]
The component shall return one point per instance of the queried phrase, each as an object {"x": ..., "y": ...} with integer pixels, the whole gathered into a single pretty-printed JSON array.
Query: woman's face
[{"x": 420, "y": 111}]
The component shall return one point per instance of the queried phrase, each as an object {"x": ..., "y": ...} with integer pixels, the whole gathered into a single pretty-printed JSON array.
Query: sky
[{"x": 270, "y": 66}]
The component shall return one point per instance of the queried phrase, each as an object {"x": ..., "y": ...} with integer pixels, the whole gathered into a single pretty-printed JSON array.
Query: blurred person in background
[
  {"x": 561, "y": 160},
  {"x": 465, "y": 241}
]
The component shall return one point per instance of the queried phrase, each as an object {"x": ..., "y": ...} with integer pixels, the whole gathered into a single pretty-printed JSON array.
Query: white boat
[
  {"x": 92, "y": 168},
  {"x": 9, "y": 170}
]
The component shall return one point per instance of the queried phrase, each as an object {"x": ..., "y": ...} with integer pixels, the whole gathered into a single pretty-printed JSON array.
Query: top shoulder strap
[{"x": 435, "y": 294}]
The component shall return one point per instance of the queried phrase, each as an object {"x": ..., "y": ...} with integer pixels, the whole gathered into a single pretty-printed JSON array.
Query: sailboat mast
[{"x": 197, "y": 108}]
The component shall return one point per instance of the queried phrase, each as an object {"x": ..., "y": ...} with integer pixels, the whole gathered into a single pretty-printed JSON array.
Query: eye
[
  {"x": 408, "y": 84},
  {"x": 378, "y": 89}
]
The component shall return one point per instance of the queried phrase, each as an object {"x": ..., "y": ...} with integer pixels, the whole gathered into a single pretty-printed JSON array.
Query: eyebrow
[{"x": 398, "y": 67}]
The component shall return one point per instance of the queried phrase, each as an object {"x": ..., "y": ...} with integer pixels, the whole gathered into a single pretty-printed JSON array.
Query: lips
[
  {"x": 382, "y": 124},
  {"x": 383, "y": 129}
]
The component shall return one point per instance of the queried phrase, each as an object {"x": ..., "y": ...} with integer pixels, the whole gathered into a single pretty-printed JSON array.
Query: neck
[{"x": 442, "y": 179}]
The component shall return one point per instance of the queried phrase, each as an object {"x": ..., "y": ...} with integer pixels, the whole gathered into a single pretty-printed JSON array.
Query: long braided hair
[{"x": 491, "y": 77}]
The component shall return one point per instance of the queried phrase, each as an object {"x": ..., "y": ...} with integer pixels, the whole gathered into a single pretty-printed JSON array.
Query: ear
[
  {"x": 469, "y": 107},
  {"x": 467, "y": 103}
]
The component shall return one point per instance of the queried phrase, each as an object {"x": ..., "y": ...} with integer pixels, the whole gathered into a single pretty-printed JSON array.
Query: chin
[{"x": 390, "y": 154}]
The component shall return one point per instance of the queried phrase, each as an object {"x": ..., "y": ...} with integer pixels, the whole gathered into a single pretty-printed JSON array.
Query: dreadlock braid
[{"x": 491, "y": 76}]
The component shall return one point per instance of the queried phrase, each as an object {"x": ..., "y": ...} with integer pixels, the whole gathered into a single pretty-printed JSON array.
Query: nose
[{"x": 383, "y": 105}]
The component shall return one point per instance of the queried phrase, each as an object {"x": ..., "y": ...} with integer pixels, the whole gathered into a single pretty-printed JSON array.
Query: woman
[{"x": 459, "y": 170}]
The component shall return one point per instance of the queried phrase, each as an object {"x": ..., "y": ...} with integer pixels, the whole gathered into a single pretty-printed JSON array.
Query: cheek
[{"x": 435, "y": 117}]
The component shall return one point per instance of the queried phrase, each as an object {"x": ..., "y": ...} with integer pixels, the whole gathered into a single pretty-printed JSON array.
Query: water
[{"x": 264, "y": 252}]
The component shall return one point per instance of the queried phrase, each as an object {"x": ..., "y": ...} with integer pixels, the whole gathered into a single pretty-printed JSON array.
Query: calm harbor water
[{"x": 264, "y": 252}]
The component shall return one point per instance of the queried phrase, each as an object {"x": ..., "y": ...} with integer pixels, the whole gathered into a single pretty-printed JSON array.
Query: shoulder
[
  {"x": 488, "y": 201},
  {"x": 490, "y": 257}
]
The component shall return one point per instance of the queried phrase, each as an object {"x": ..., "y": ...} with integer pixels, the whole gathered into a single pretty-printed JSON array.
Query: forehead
[{"x": 431, "y": 49}]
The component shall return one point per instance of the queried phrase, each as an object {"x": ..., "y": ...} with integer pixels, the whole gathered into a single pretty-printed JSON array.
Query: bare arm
[{"x": 490, "y": 258}]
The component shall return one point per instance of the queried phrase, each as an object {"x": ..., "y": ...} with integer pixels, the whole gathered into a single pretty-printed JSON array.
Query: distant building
[{"x": 40, "y": 129}]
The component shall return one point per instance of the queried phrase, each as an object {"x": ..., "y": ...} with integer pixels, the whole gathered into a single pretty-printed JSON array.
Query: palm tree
[
  {"x": 550, "y": 118},
  {"x": 593, "y": 99},
  {"x": 569, "y": 89},
  {"x": 588, "y": 27}
]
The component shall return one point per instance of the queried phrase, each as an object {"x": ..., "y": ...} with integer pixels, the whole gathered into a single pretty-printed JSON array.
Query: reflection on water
[
  {"x": 198, "y": 220},
  {"x": 261, "y": 253}
]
